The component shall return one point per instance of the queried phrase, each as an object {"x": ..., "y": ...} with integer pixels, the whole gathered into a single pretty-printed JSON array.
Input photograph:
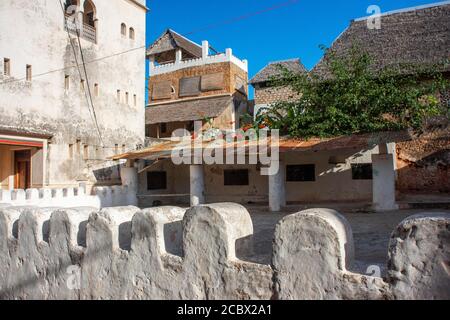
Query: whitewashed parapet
[
  {"x": 103, "y": 197},
  {"x": 171, "y": 253},
  {"x": 61, "y": 198},
  {"x": 115, "y": 196},
  {"x": 210, "y": 59}
]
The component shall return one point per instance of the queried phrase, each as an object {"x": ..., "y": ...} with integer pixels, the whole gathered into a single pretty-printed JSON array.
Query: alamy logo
[
  {"x": 74, "y": 279},
  {"x": 239, "y": 147},
  {"x": 374, "y": 21},
  {"x": 73, "y": 18}
]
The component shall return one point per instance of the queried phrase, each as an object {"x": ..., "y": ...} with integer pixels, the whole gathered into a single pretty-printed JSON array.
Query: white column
[
  {"x": 197, "y": 180},
  {"x": 229, "y": 53},
  {"x": 129, "y": 177},
  {"x": 277, "y": 189},
  {"x": 205, "y": 49},
  {"x": 151, "y": 61},
  {"x": 178, "y": 56},
  {"x": 383, "y": 182}
]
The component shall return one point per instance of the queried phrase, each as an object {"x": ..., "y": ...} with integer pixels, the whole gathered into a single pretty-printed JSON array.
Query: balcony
[
  {"x": 206, "y": 59},
  {"x": 87, "y": 32}
]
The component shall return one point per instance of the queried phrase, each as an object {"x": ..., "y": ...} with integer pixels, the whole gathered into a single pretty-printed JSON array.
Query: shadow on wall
[
  {"x": 424, "y": 167},
  {"x": 108, "y": 174}
]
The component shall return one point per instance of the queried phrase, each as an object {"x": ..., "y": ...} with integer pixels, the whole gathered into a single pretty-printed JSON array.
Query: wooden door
[{"x": 22, "y": 167}]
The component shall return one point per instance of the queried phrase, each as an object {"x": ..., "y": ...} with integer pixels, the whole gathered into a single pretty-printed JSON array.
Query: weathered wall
[
  {"x": 229, "y": 70},
  {"x": 103, "y": 197},
  {"x": 333, "y": 182},
  {"x": 170, "y": 253},
  {"x": 268, "y": 95},
  {"x": 33, "y": 33},
  {"x": 424, "y": 165}
]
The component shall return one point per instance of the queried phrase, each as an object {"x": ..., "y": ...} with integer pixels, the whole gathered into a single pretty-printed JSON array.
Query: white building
[{"x": 59, "y": 122}]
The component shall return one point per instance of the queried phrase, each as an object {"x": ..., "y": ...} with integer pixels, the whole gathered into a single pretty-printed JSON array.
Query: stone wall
[
  {"x": 424, "y": 164},
  {"x": 228, "y": 69},
  {"x": 269, "y": 95},
  {"x": 171, "y": 253}
]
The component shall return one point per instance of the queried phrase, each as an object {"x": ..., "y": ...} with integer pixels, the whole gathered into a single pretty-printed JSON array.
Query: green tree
[{"x": 354, "y": 98}]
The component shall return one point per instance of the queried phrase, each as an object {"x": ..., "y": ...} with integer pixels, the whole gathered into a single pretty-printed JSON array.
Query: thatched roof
[
  {"x": 187, "y": 110},
  {"x": 273, "y": 69},
  {"x": 416, "y": 37},
  {"x": 170, "y": 41}
]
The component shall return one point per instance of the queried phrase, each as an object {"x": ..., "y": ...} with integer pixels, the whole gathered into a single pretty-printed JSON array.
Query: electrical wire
[{"x": 88, "y": 94}]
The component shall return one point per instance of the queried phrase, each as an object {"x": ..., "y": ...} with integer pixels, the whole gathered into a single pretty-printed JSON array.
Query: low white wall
[
  {"x": 171, "y": 253},
  {"x": 103, "y": 197}
]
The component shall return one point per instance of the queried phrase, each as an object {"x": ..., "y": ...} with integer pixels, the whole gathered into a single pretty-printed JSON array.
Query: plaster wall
[{"x": 33, "y": 33}]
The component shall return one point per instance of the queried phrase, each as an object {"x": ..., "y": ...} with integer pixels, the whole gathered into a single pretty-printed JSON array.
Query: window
[
  {"x": 190, "y": 126},
  {"x": 69, "y": 3},
  {"x": 118, "y": 95},
  {"x": 163, "y": 127},
  {"x": 123, "y": 29},
  {"x": 189, "y": 86},
  {"x": 96, "y": 90},
  {"x": 6, "y": 67},
  {"x": 135, "y": 100},
  {"x": 362, "y": 171},
  {"x": 132, "y": 33},
  {"x": 157, "y": 180},
  {"x": 124, "y": 148},
  {"x": 89, "y": 13},
  {"x": 70, "y": 151},
  {"x": 116, "y": 148},
  {"x": 236, "y": 177},
  {"x": 85, "y": 152},
  {"x": 66, "y": 82},
  {"x": 127, "y": 95},
  {"x": 82, "y": 85},
  {"x": 304, "y": 172},
  {"x": 29, "y": 73},
  {"x": 78, "y": 146}
]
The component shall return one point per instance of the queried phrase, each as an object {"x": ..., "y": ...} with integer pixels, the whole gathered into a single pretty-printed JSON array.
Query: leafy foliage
[{"x": 354, "y": 99}]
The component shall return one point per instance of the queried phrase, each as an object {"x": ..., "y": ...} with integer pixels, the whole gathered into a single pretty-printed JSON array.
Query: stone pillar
[
  {"x": 277, "y": 189},
  {"x": 229, "y": 53},
  {"x": 383, "y": 182},
  {"x": 205, "y": 49},
  {"x": 96, "y": 30},
  {"x": 197, "y": 181},
  {"x": 129, "y": 177}
]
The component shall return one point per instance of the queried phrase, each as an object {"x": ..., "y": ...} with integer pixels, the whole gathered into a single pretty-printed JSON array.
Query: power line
[
  {"x": 89, "y": 89},
  {"x": 74, "y": 66},
  {"x": 225, "y": 22},
  {"x": 244, "y": 17},
  {"x": 92, "y": 113}
]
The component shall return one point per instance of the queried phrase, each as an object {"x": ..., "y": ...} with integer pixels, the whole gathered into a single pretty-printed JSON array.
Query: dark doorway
[{"x": 22, "y": 169}]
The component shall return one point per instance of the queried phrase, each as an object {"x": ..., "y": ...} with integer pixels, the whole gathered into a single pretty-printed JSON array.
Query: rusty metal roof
[{"x": 363, "y": 141}]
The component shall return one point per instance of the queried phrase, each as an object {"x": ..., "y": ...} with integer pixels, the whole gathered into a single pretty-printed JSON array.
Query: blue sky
[{"x": 292, "y": 29}]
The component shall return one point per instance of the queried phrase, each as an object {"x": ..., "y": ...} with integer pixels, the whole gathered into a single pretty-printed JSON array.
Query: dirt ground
[{"x": 371, "y": 233}]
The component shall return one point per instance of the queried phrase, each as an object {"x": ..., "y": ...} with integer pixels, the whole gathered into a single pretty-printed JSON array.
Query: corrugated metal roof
[{"x": 370, "y": 140}]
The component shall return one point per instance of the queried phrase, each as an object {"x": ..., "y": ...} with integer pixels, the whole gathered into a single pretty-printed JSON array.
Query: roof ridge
[
  {"x": 409, "y": 9},
  {"x": 286, "y": 60},
  {"x": 180, "y": 35}
]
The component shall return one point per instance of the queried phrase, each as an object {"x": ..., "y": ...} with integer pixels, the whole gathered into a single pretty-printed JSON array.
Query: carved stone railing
[{"x": 87, "y": 32}]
